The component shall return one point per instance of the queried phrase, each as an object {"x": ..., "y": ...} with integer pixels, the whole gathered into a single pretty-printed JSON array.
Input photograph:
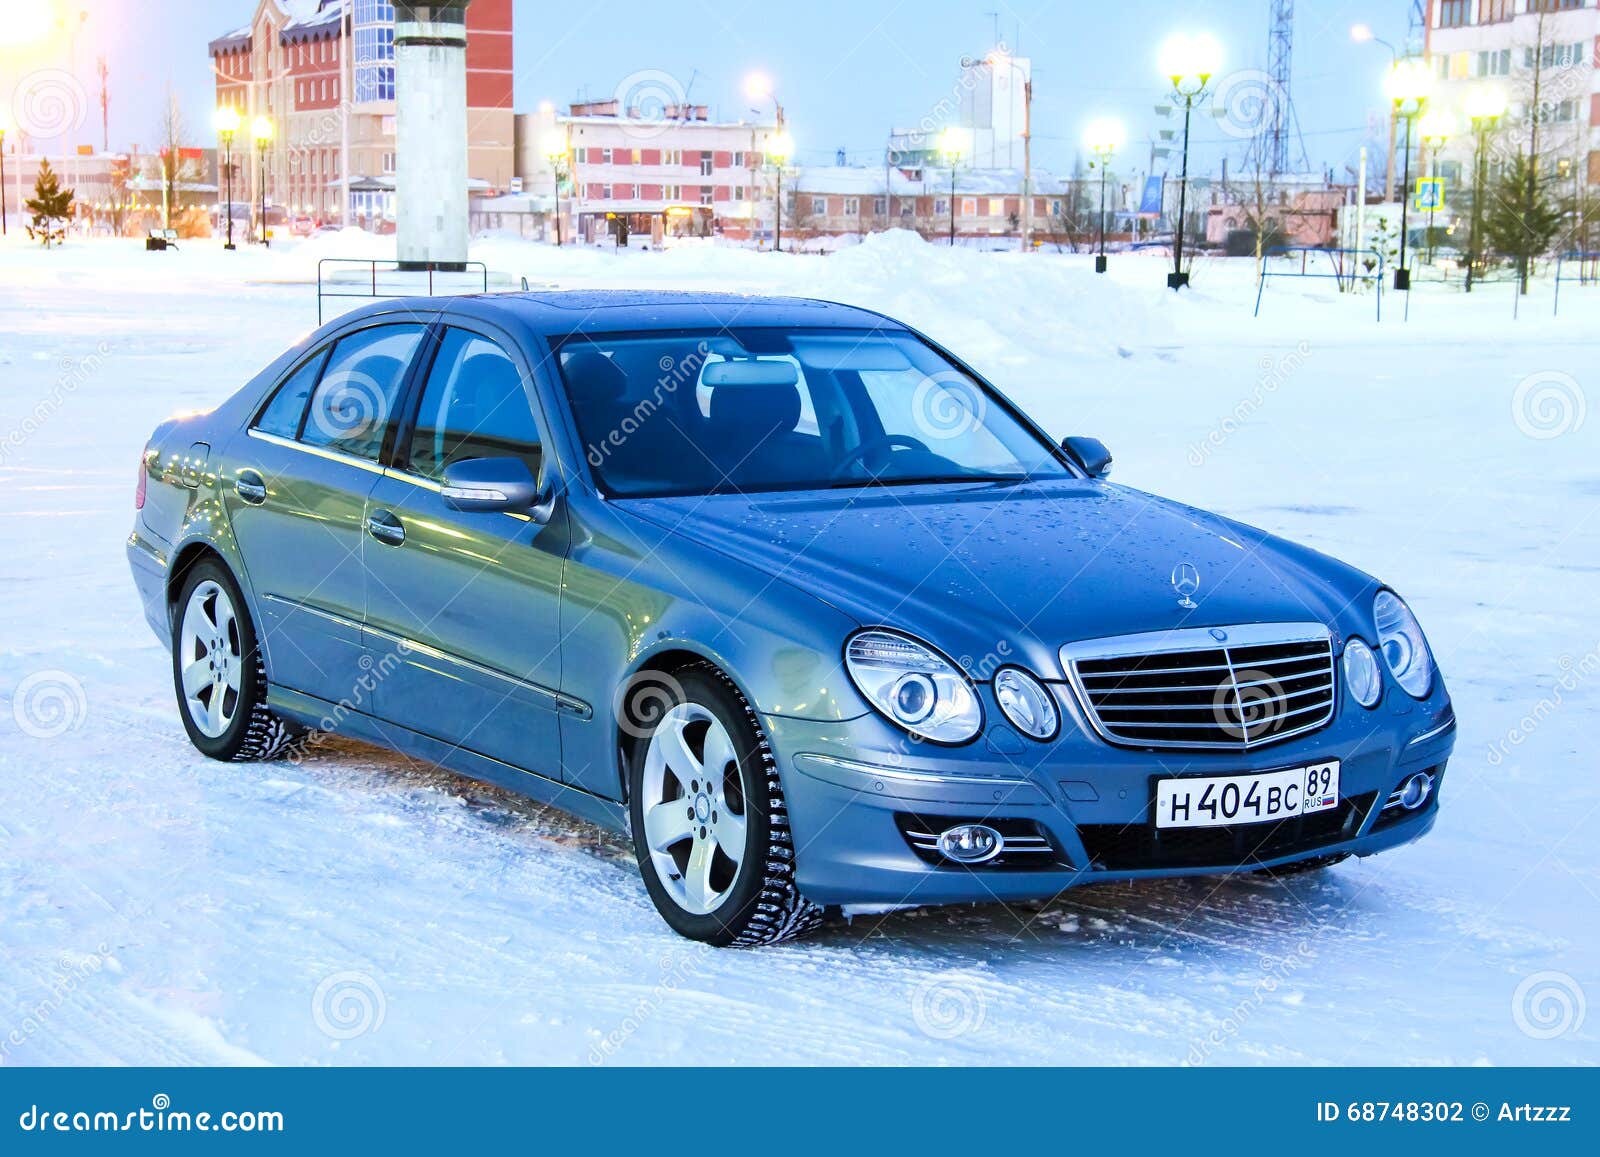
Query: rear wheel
[
  {"x": 710, "y": 827},
  {"x": 218, "y": 673}
]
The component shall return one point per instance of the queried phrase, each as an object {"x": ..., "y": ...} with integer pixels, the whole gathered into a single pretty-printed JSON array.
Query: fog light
[
  {"x": 971, "y": 843},
  {"x": 1416, "y": 791}
]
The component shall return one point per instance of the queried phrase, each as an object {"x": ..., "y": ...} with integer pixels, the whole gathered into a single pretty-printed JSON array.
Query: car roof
[{"x": 556, "y": 313}]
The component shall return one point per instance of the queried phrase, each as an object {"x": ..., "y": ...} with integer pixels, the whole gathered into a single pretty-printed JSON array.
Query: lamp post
[
  {"x": 227, "y": 124},
  {"x": 1189, "y": 62},
  {"x": 994, "y": 60},
  {"x": 1436, "y": 126},
  {"x": 1486, "y": 104},
  {"x": 263, "y": 135},
  {"x": 1104, "y": 137},
  {"x": 555, "y": 151},
  {"x": 1363, "y": 34},
  {"x": 953, "y": 145},
  {"x": 779, "y": 145},
  {"x": 1407, "y": 85}
]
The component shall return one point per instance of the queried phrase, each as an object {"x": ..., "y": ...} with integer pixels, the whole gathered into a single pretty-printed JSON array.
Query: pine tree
[
  {"x": 1521, "y": 219},
  {"x": 50, "y": 205}
]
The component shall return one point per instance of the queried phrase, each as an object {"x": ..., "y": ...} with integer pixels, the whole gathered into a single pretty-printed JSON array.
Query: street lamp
[
  {"x": 1104, "y": 137},
  {"x": 779, "y": 146},
  {"x": 1189, "y": 62},
  {"x": 954, "y": 142},
  {"x": 227, "y": 124},
  {"x": 556, "y": 152},
  {"x": 1485, "y": 105},
  {"x": 1407, "y": 85},
  {"x": 994, "y": 60},
  {"x": 263, "y": 136},
  {"x": 758, "y": 87},
  {"x": 1437, "y": 126}
]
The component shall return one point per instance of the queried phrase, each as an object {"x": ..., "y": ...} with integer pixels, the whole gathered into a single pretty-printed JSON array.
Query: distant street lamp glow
[
  {"x": 955, "y": 143},
  {"x": 1485, "y": 102},
  {"x": 1103, "y": 137},
  {"x": 226, "y": 122},
  {"x": 25, "y": 24},
  {"x": 262, "y": 131},
  {"x": 558, "y": 152},
  {"x": 1485, "y": 105},
  {"x": 779, "y": 146},
  {"x": 1189, "y": 62},
  {"x": 1407, "y": 87}
]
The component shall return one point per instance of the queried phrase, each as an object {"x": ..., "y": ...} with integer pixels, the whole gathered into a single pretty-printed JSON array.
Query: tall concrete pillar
[{"x": 430, "y": 89}]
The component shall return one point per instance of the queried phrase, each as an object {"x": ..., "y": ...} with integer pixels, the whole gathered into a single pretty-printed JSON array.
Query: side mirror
[
  {"x": 489, "y": 485},
  {"x": 1091, "y": 454}
]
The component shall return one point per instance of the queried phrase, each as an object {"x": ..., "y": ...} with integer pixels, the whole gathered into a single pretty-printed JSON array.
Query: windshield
[{"x": 738, "y": 411}]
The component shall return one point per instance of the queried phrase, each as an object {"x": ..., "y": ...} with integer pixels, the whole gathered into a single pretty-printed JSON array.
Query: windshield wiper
[{"x": 929, "y": 480}]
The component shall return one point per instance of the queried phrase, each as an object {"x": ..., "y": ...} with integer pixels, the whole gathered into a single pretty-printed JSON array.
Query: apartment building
[
  {"x": 1543, "y": 54},
  {"x": 838, "y": 201},
  {"x": 323, "y": 72},
  {"x": 650, "y": 175}
]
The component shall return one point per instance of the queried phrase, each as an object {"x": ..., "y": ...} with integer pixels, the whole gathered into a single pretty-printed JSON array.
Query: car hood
[{"x": 982, "y": 571}]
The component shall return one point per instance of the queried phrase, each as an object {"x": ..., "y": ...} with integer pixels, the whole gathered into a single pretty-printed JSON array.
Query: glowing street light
[
  {"x": 1407, "y": 86},
  {"x": 226, "y": 122},
  {"x": 955, "y": 143},
  {"x": 758, "y": 87},
  {"x": 1436, "y": 126},
  {"x": 558, "y": 153},
  {"x": 1485, "y": 105},
  {"x": 1189, "y": 62},
  {"x": 779, "y": 147},
  {"x": 262, "y": 131},
  {"x": 1103, "y": 137}
]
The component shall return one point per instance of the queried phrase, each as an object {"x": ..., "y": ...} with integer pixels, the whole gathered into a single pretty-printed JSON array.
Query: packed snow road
[{"x": 356, "y": 908}]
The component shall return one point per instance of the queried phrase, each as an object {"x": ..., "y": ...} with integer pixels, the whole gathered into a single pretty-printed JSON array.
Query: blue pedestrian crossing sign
[{"x": 1430, "y": 195}]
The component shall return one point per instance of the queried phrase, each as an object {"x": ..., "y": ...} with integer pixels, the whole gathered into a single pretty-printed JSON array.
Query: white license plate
[{"x": 1218, "y": 801}]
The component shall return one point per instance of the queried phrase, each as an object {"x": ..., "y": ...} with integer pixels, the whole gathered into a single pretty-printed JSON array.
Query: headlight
[
  {"x": 1026, "y": 702},
  {"x": 1405, "y": 650},
  {"x": 914, "y": 686},
  {"x": 1361, "y": 674}
]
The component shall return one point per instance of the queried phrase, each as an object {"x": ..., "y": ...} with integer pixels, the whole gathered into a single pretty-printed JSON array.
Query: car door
[
  {"x": 463, "y": 607},
  {"x": 297, "y": 505}
]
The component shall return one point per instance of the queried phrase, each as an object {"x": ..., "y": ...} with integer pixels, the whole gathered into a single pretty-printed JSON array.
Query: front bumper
[{"x": 855, "y": 789}]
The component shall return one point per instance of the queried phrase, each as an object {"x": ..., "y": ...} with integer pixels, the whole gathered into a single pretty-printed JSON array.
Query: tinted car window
[
  {"x": 355, "y": 400},
  {"x": 282, "y": 415},
  {"x": 473, "y": 406}
]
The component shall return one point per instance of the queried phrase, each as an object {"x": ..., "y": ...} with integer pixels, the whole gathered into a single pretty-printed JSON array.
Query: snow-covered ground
[{"x": 354, "y": 908}]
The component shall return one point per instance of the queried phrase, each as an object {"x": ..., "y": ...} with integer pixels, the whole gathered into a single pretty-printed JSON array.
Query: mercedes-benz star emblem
[{"x": 1186, "y": 581}]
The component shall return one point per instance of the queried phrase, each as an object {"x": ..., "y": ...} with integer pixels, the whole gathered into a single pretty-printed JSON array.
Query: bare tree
[{"x": 174, "y": 170}]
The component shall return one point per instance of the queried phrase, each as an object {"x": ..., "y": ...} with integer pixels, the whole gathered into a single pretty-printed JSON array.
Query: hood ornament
[{"x": 1186, "y": 581}]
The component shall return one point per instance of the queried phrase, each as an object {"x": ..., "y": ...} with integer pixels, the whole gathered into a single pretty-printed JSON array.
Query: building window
[
  {"x": 605, "y": 156},
  {"x": 880, "y": 206},
  {"x": 635, "y": 156},
  {"x": 672, "y": 192},
  {"x": 819, "y": 206},
  {"x": 605, "y": 192},
  {"x": 852, "y": 206},
  {"x": 373, "y": 22},
  {"x": 738, "y": 192},
  {"x": 738, "y": 160},
  {"x": 1455, "y": 13},
  {"x": 706, "y": 192},
  {"x": 388, "y": 162},
  {"x": 969, "y": 206},
  {"x": 706, "y": 163},
  {"x": 1495, "y": 63},
  {"x": 997, "y": 207},
  {"x": 940, "y": 206},
  {"x": 1494, "y": 11}
]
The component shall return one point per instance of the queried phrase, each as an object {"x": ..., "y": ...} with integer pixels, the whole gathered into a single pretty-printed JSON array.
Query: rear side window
[
  {"x": 355, "y": 401},
  {"x": 282, "y": 415}
]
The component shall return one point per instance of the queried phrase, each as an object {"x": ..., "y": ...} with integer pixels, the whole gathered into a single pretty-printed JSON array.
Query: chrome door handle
[
  {"x": 251, "y": 487},
  {"x": 386, "y": 528}
]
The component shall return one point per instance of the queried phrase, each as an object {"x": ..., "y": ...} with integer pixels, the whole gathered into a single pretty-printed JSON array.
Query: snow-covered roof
[
  {"x": 911, "y": 181},
  {"x": 305, "y": 19}
]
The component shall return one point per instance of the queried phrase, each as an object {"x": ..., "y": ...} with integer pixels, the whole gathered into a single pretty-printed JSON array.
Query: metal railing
[
  {"x": 370, "y": 284},
  {"x": 1337, "y": 271},
  {"x": 1588, "y": 264}
]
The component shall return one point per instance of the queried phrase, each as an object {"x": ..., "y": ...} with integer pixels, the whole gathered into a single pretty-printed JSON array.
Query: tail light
[{"x": 144, "y": 473}]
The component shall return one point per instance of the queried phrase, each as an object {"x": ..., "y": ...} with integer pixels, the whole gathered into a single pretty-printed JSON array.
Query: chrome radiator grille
[{"x": 1222, "y": 687}]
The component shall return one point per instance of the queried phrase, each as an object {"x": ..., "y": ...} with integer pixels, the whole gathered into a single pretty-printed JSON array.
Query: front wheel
[
  {"x": 218, "y": 672},
  {"x": 710, "y": 827}
]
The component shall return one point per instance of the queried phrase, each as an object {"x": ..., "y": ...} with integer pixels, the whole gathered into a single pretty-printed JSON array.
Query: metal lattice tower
[{"x": 1280, "y": 55}]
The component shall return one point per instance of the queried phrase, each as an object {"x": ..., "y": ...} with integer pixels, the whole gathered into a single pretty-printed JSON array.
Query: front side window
[
  {"x": 778, "y": 409},
  {"x": 473, "y": 406},
  {"x": 355, "y": 401}
]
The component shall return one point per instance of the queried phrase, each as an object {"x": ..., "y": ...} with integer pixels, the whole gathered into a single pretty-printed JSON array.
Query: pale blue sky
[{"x": 846, "y": 70}]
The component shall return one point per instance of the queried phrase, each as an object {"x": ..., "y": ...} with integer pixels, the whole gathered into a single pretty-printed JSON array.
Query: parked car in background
[{"x": 784, "y": 589}]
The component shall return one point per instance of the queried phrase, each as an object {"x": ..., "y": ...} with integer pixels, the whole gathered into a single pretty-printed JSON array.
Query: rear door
[
  {"x": 297, "y": 504},
  {"x": 463, "y": 608}
]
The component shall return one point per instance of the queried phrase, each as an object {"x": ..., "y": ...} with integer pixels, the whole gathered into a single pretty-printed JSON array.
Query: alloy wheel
[
  {"x": 694, "y": 808},
  {"x": 211, "y": 660}
]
